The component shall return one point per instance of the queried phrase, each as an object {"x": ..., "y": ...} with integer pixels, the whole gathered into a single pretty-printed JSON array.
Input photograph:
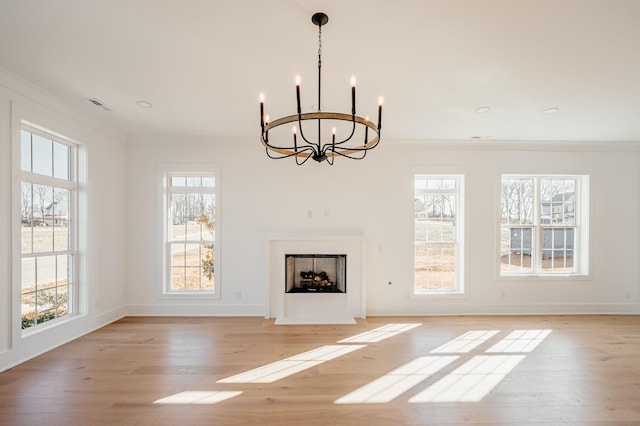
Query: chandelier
[{"x": 360, "y": 134}]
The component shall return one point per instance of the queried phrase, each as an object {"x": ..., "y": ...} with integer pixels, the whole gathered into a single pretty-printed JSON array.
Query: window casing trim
[
  {"x": 461, "y": 289},
  {"x": 583, "y": 242},
  {"x": 164, "y": 172},
  {"x": 50, "y": 126}
]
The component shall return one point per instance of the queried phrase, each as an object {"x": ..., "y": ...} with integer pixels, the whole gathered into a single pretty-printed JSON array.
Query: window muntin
[
  {"x": 48, "y": 192},
  {"x": 541, "y": 229},
  {"x": 190, "y": 248},
  {"x": 438, "y": 234}
]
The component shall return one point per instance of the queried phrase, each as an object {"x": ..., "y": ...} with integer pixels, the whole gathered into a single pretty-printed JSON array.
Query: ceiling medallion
[{"x": 361, "y": 134}]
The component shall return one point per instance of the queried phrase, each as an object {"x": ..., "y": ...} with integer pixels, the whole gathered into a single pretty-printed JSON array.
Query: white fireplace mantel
[{"x": 310, "y": 308}]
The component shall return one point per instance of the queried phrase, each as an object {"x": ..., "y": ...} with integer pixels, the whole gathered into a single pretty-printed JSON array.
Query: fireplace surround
[{"x": 316, "y": 307}]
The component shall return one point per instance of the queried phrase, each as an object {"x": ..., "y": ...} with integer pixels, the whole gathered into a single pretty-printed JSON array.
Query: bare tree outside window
[{"x": 517, "y": 201}]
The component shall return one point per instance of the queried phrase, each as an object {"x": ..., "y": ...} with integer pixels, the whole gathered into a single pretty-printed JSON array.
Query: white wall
[
  {"x": 102, "y": 283},
  {"x": 374, "y": 197},
  {"x": 262, "y": 197}
]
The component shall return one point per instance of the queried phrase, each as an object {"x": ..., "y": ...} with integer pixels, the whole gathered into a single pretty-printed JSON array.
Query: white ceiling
[{"x": 203, "y": 63}]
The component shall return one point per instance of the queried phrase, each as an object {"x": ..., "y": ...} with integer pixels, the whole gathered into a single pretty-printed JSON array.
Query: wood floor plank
[{"x": 585, "y": 371}]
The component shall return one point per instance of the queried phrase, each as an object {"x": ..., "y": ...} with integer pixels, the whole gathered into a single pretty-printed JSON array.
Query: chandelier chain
[{"x": 319, "y": 42}]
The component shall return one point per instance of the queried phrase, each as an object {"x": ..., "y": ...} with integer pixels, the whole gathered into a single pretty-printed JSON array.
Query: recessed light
[
  {"x": 551, "y": 110},
  {"x": 482, "y": 110},
  {"x": 144, "y": 104}
]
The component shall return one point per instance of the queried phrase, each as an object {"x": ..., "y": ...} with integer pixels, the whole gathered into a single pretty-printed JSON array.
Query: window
[
  {"x": 48, "y": 195},
  {"x": 544, "y": 225},
  {"x": 190, "y": 246},
  {"x": 438, "y": 234}
]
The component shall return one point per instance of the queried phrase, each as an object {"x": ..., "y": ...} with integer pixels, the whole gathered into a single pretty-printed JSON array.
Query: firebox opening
[{"x": 316, "y": 273}]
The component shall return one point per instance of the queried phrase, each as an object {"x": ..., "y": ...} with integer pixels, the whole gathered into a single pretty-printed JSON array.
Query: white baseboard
[
  {"x": 196, "y": 310},
  {"x": 429, "y": 309},
  {"x": 518, "y": 309},
  {"x": 298, "y": 321}
]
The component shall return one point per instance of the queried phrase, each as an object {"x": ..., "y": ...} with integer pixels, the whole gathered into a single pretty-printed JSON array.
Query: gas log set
[{"x": 316, "y": 281}]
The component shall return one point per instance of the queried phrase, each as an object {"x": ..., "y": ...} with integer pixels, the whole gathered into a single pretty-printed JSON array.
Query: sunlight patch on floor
[
  {"x": 380, "y": 333},
  {"x": 198, "y": 397},
  {"x": 398, "y": 381},
  {"x": 470, "y": 382},
  {"x": 520, "y": 341},
  {"x": 292, "y": 365},
  {"x": 467, "y": 342}
]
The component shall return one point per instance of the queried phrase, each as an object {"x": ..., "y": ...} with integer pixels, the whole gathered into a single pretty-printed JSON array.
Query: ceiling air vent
[{"x": 99, "y": 103}]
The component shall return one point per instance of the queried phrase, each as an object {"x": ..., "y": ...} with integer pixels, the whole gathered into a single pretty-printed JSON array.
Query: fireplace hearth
[{"x": 315, "y": 273}]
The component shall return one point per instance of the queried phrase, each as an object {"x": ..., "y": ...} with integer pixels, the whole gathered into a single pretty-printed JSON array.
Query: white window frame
[
  {"x": 459, "y": 288},
  {"x": 191, "y": 170},
  {"x": 581, "y": 258},
  {"x": 59, "y": 129}
]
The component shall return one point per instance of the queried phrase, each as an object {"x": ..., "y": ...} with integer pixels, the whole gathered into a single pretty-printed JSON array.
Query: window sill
[
  {"x": 440, "y": 295},
  {"x": 545, "y": 277},
  {"x": 199, "y": 295},
  {"x": 48, "y": 325}
]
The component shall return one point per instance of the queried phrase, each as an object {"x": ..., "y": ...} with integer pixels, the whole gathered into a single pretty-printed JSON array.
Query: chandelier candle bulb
[
  {"x": 262, "y": 110},
  {"x": 333, "y": 139},
  {"x": 380, "y": 100},
  {"x": 353, "y": 95},
  {"x": 298, "y": 93}
]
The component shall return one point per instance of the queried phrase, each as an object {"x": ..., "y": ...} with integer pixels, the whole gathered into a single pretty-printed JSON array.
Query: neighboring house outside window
[
  {"x": 544, "y": 225},
  {"x": 190, "y": 249},
  {"x": 438, "y": 235},
  {"x": 48, "y": 227}
]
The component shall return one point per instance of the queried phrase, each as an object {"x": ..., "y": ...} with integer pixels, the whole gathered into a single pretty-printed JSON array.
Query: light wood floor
[{"x": 586, "y": 371}]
